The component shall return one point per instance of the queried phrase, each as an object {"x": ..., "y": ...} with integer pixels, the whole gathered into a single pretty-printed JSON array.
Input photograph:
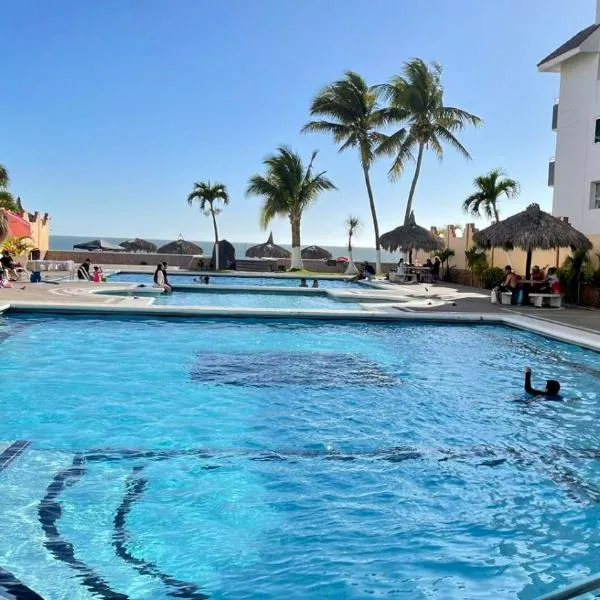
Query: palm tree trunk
[
  {"x": 374, "y": 215},
  {"x": 350, "y": 247},
  {"x": 496, "y": 214},
  {"x": 214, "y": 218},
  {"x": 296, "y": 262},
  {"x": 413, "y": 185}
]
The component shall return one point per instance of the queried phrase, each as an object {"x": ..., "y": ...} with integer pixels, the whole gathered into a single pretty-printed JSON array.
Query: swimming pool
[
  {"x": 209, "y": 297},
  {"x": 194, "y": 459},
  {"x": 226, "y": 280}
]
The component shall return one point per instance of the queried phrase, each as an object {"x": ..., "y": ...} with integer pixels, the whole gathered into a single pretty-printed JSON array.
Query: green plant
[
  {"x": 489, "y": 189},
  {"x": 288, "y": 188},
  {"x": 416, "y": 102},
  {"x": 18, "y": 246},
  {"x": 476, "y": 261},
  {"x": 354, "y": 117},
  {"x": 491, "y": 277},
  {"x": 206, "y": 195}
]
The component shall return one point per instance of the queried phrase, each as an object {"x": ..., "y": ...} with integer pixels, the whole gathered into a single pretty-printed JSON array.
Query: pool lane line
[
  {"x": 13, "y": 451},
  {"x": 15, "y": 588},
  {"x": 49, "y": 512},
  {"x": 135, "y": 487}
]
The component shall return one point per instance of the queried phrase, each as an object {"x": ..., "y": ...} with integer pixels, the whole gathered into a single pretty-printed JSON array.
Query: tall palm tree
[
  {"x": 353, "y": 117},
  {"x": 416, "y": 101},
  {"x": 206, "y": 194},
  {"x": 489, "y": 188},
  {"x": 288, "y": 188},
  {"x": 353, "y": 224}
]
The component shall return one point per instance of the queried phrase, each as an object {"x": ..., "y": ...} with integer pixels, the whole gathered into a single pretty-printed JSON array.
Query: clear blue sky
[{"x": 111, "y": 109}]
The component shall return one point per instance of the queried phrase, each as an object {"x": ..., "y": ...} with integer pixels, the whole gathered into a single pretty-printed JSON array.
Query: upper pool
[
  {"x": 210, "y": 297},
  {"x": 311, "y": 460},
  {"x": 226, "y": 280}
]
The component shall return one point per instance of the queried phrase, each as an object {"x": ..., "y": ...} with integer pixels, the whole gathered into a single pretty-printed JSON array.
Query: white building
[{"x": 575, "y": 171}]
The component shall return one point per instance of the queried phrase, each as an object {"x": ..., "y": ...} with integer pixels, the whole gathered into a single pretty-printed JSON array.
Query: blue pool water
[
  {"x": 253, "y": 300},
  {"x": 225, "y": 280},
  {"x": 268, "y": 460}
]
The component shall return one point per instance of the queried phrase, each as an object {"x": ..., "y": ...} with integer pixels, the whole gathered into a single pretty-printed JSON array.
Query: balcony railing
[
  {"x": 555, "y": 116},
  {"x": 551, "y": 165}
]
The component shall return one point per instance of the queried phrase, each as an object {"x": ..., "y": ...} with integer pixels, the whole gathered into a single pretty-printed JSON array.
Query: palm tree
[
  {"x": 4, "y": 178},
  {"x": 489, "y": 189},
  {"x": 353, "y": 224},
  {"x": 354, "y": 117},
  {"x": 416, "y": 101},
  {"x": 206, "y": 194},
  {"x": 3, "y": 227},
  {"x": 288, "y": 188},
  {"x": 8, "y": 202}
]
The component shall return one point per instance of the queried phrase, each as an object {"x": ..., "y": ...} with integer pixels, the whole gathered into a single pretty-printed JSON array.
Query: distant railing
[{"x": 577, "y": 589}]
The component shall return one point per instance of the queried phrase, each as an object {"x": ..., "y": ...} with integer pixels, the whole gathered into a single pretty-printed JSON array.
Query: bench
[
  {"x": 554, "y": 300},
  {"x": 505, "y": 297}
]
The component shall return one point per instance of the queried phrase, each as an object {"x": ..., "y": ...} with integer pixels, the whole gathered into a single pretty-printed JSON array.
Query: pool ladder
[{"x": 572, "y": 591}]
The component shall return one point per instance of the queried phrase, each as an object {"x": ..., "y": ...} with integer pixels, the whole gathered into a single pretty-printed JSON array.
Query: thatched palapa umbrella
[
  {"x": 532, "y": 229},
  {"x": 138, "y": 245},
  {"x": 268, "y": 250},
  {"x": 316, "y": 253},
  {"x": 410, "y": 237},
  {"x": 180, "y": 246}
]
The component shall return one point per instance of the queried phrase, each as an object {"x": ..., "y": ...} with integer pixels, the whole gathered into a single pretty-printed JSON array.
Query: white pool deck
[{"x": 443, "y": 303}]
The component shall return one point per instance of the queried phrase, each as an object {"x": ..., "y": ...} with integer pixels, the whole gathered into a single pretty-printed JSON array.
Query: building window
[
  {"x": 597, "y": 132},
  {"x": 595, "y": 203}
]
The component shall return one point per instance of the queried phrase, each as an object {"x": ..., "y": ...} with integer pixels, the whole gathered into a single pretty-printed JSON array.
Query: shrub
[{"x": 491, "y": 277}]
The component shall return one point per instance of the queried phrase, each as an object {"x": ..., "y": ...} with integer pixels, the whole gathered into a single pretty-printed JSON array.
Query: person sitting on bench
[{"x": 509, "y": 283}]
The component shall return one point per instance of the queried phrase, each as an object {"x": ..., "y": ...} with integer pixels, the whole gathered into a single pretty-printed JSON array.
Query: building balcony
[
  {"x": 555, "y": 115},
  {"x": 551, "y": 165}
]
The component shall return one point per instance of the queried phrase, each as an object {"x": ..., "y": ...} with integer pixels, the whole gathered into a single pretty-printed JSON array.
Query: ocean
[{"x": 66, "y": 242}]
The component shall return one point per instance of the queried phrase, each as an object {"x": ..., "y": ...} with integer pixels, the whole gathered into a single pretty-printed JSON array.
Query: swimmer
[
  {"x": 303, "y": 282},
  {"x": 552, "y": 390}
]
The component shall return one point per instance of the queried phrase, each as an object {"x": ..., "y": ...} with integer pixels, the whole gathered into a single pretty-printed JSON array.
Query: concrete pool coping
[{"x": 586, "y": 338}]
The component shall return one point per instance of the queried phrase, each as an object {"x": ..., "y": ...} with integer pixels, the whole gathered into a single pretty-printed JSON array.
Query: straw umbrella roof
[
  {"x": 180, "y": 246},
  {"x": 410, "y": 237},
  {"x": 532, "y": 229},
  {"x": 138, "y": 245},
  {"x": 316, "y": 253},
  {"x": 268, "y": 250}
]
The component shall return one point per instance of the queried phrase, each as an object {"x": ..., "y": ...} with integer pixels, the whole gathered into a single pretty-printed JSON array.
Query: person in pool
[
  {"x": 303, "y": 282},
  {"x": 551, "y": 391}
]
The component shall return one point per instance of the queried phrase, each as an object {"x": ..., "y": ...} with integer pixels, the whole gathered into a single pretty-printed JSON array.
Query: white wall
[{"x": 577, "y": 156}]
